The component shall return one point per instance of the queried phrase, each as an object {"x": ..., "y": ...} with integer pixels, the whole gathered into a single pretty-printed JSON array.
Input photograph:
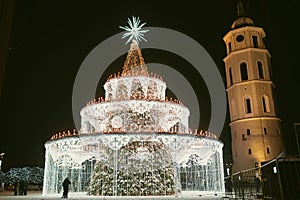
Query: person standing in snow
[{"x": 65, "y": 185}]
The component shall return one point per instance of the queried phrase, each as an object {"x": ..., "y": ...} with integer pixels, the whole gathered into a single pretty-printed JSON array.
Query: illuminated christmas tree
[
  {"x": 145, "y": 168},
  {"x": 135, "y": 141}
]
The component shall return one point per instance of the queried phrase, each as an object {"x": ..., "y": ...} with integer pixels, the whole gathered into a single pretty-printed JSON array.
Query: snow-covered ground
[{"x": 9, "y": 195}]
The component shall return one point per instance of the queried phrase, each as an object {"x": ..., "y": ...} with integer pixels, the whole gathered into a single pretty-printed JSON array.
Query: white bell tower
[{"x": 255, "y": 127}]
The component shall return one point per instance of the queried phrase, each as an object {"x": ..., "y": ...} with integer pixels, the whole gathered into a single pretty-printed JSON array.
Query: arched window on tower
[
  {"x": 260, "y": 70},
  {"x": 248, "y": 132},
  {"x": 244, "y": 71},
  {"x": 230, "y": 76},
  {"x": 268, "y": 150},
  {"x": 265, "y": 103},
  {"x": 255, "y": 41},
  {"x": 248, "y": 105},
  {"x": 265, "y": 131}
]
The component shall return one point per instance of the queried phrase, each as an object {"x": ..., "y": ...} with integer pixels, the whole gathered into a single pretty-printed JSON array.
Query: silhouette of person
[
  {"x": 16, "y": 188},
  {"x": 65, "y": 185},
  {"x": 21, "y": 187},
  {"x": 25, "y": 188}
]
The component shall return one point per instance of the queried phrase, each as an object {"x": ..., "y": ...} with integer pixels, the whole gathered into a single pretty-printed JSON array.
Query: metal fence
[{"x": 276, "y": 179}]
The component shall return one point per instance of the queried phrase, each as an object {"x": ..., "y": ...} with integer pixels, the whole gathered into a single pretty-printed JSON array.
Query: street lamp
[{"x": 1, "y": 157}]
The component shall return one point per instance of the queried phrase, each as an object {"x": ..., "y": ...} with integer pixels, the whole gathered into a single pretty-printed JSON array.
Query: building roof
[{"x": 241, "y": 22}]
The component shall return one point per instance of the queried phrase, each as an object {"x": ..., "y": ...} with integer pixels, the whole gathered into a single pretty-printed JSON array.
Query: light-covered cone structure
[{"x": 134, "y": 142}]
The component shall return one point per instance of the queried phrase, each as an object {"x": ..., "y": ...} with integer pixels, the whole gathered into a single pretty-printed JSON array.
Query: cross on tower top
[{"x": 241, "y": 8}]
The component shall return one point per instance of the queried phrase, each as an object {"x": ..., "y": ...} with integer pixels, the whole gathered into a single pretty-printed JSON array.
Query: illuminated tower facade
[{"x": 255, "y": 127}]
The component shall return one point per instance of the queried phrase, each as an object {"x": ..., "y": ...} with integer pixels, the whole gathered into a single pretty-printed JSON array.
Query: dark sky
[{"x": 50, "y": 39}]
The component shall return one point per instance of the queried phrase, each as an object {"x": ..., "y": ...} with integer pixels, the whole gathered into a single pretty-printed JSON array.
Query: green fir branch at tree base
[{"x": 139, "y": 173}]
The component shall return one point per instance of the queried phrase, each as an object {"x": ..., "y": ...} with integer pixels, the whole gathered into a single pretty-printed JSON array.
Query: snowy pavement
[{"x": 8, "y": 195}]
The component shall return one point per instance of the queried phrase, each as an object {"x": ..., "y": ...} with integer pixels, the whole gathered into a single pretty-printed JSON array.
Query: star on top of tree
[{"x": 134, "y": 30}]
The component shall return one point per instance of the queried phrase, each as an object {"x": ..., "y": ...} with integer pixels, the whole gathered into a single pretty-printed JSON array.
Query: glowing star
[{"x": 134, "y": 31}]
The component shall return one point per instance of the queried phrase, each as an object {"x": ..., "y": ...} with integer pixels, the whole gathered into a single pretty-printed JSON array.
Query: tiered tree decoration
[{"x": 144, "y": 167}]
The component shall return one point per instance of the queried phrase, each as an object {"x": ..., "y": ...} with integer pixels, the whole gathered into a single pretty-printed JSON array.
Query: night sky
[{"x": 50, "y": 39}]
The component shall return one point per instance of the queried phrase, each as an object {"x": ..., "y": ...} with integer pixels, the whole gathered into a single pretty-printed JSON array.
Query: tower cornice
[
  {"x": 254, "y": 118},
  {"x": 246, "y": 28},
  {"x": 247, "y": 50},
  {"x": 250, "y": 81}
]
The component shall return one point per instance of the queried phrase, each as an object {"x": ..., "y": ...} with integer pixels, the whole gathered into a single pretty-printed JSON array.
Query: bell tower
[{"x": 255, "y": 127}]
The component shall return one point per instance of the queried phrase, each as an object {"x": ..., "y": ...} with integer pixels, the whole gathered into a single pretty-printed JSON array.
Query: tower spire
[
  {"x": 241, "y": 8},
  {"x": 242, "y": 20}
]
